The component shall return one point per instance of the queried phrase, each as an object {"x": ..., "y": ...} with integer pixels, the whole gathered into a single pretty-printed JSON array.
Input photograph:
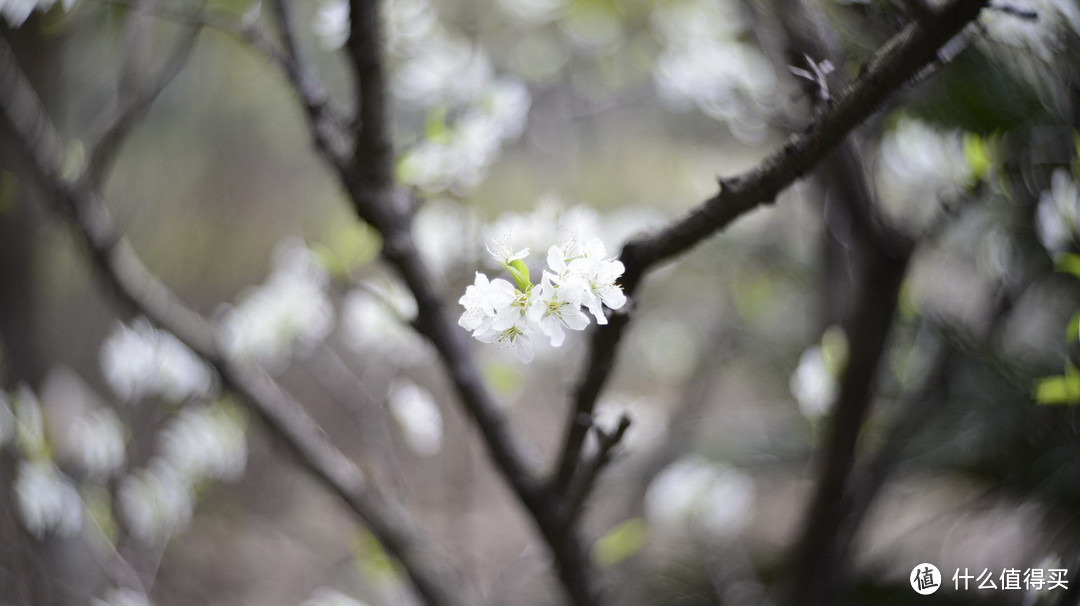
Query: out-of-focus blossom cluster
[
  {"x": 471, "y": 113},
  {"x": 919, "y": 170},
  {"x": 200, "y": 443},
  {"x": 16, "y": 12},
  {"x": 97, "y": 438},
  {"x": 693, "y": 496},
  {"x": 816, "y": 381},
  {"x": 325, "y": 596},
  {"x": 456, "y": 155},
  {"x": 140, "y": 360},
  {"x": 578, "y": 275},
  {"x": 1058, "y": 214},
  {"x": 1043, "y": 33},
  {"x": 413, "y": 409},
  {"x": 291, "y": 310},
  {"x": 707, "y": 64},
  {"x": 46, "y": 498},
  {"x": 375, "y": 319}
]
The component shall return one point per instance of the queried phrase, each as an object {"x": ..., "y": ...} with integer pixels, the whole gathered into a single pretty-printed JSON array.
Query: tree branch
[
  {"x": 137, "y": 92},
  {"x": 898, "y": 61},
  {"x": 579, "y": 492},
  {"x": 140, "y": 291}
]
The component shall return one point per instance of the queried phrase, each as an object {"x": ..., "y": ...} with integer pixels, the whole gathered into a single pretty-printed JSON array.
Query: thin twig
[
  {"x": 140, "y": 291},
  {"x": 137, "y": 92},
  {"x": 579, "y": 492}
]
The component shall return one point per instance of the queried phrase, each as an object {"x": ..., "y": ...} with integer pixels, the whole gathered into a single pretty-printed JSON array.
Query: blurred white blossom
[
  {"x": 291, "y": 310},
  {"x": 16, "y": 12},
  {"x": 815, "y": 382},
  {"x": 142, "y": 361},
  {"x": 693, "y": 495},
  {"x": 706, "y": 64},
  {"x": 532, "y": 12},
  {"x": 156, "y": 501},
  {"x": 919, "y": 170},
  {"x": 97, "y": 441},
  {"x": 205, "y": 442},
  {"x": 446, "y": 233},
  {"x": 29, "y": 424},
  {"x": 1057, "y": 219},
  {"x": 48, "y": 501},
  {"x": 375, "y": 320},
  {"x": 1043, "y": 35},
  {"x": 458, "y": 157},
  {"x": 325, "y": 596},
  {"x": 413, "y": 409},
  {"x": 331, "y": 25}
]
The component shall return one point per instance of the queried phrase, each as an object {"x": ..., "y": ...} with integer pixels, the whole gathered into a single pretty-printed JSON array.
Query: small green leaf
[
  {"x": 435, "y": 127},
  {"x": 372, "y": 559},
  {"x": 1060, "y": 389},
  {"x": 1072, "y": 333},
  {"x": 1068, "y": 263},
  {"x": 976, "y": 155},
  {"x": 520, "y": 272},
  {"x": 620, "y": 543}
]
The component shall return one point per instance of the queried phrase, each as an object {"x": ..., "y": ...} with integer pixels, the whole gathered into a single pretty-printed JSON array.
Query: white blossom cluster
[
  {"x": 201, "y": 443},
  {"x": 706, "y": 64},
  {"x": 578, "y": 275},
  {"x": 695, "y": 495},
  {"x": 919, "y": 170},
  {"x": 1057, "y": 219},
  {"x": 16, "y": 12},
  {"x": 140, "y": 361},
  {"x": 290, "y": 310}
]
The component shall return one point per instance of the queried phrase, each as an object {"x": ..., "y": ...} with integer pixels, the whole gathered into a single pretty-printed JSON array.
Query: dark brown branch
[
  {"x": 324, "y": 122},
  {"x": 900, "y": 59},
  {"x": 374, "y": 151},
  {"x": 141, "y": 292}
]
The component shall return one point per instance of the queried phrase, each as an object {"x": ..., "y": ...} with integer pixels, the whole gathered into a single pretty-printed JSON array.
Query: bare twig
[
  {"x": 140, "y": 291},
  {"x": 579, "y": 493},
  {"x": 890, "y": 68},
  {"x": 137, "y": 91}
]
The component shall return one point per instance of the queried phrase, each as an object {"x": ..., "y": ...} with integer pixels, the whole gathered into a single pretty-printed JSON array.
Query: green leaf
[
  {"x": 976, "y": 155},
  {"x": 435, "y": 127},
  {"x": 1059, "y": 389},
  {"x": 620, "y": 543},
  {"x": 1072, "y": 333},
  {"x": 1068, "y": 263},
  {"x": 372, "y": 559},
  {"x": 520, "y": 272}
]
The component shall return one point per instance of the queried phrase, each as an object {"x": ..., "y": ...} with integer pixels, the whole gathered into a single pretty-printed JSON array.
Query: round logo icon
[{"x": 925, "y": 578}]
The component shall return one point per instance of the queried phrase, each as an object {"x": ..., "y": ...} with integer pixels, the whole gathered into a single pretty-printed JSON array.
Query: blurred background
[{"x": 130, "y": 477}]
